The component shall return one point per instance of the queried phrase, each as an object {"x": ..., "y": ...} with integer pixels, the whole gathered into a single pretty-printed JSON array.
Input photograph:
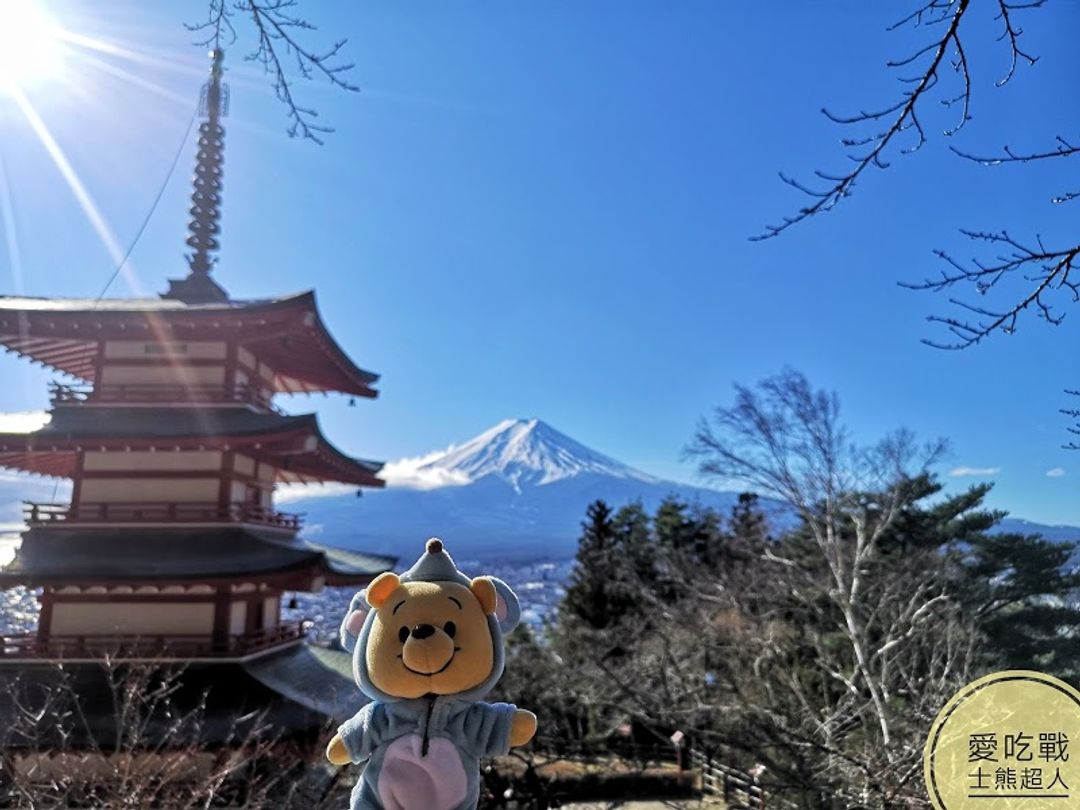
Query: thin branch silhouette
[
  {"x": 1048, "y": 271},
  {"x": 278, "y": 29},
  {"x": 899, "y": 117}
]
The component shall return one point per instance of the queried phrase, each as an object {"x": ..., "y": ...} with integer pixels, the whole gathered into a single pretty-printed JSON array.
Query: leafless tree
[
  {"x": 844, "y": 662},
  {"x": 1022, "y": 275},
  {"x": 279, "y": 28},
  {"x": 132, "y": 741}
]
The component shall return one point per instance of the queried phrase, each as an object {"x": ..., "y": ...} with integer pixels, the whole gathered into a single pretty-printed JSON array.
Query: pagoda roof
[
  {"x": 294, "y": 444},
  {"x": 115, "y": 556},
  {"x": 32, "y": 303},
  {"x": 287, "y": 333},
  {"x": 318, "y": 678},
  {"x": 151, "y": 422}
]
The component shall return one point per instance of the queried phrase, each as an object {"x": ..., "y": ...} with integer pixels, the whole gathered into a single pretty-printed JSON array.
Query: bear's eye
[
  {"x": 403, "y": 634},
  {"x": 450, "y": 629}
]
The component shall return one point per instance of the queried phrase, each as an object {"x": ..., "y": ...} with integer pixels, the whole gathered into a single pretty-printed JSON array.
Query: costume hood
[{"x": 434, "y": 565}]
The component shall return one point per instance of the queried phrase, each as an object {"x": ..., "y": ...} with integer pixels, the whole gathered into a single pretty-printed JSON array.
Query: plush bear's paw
[
  {"x": 522, "y": 727},
  {"x": 336, "y": 752}
]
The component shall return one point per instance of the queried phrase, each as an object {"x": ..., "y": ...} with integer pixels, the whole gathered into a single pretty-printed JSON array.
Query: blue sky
[{"x": 543, "y": 210}]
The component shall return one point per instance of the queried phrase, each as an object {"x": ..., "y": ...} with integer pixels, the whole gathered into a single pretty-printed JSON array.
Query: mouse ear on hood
[
  {"x": 353, "y": 622},
  {"x": 507, "y": 609}
]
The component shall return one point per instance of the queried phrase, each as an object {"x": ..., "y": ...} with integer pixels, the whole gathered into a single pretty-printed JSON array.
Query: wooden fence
[{"x": 739, "y": 789}]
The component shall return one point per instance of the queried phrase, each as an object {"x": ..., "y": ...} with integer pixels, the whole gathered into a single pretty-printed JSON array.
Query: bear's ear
[
  {"x": 381, "y": 587},
  {"x": 353, "y": 622},
  {"x": 507, "y": 609},
  {"x": 484, "y": 590}
]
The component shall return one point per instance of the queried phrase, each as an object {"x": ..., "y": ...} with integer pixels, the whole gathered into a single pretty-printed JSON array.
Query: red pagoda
[{"x": 171, "y": 548}]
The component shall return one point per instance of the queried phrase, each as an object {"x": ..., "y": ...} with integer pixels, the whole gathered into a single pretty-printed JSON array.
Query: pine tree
[
  {"x": 635, "y": 551},
  {"x": 587, "y": 598},
  {"x": 748, "y": 523},
  {"x": 675, "y": 530},
  {"x": 1022, "y": 589}
]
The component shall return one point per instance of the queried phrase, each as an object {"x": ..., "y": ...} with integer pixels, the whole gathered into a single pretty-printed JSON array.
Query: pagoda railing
[
  {"x": 31, "y": 645},
  {"x": 160, "y": 394},
  {"x": 47, "y": 514}
]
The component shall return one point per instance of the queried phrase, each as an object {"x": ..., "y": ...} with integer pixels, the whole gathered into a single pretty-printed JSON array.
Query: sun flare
[{"x": 31, "y": 46}]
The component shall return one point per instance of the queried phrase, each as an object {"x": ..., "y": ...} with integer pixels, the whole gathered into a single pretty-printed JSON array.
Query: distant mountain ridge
[
  {"x": 1058, "y": 533},
  {"x": 518, "y": 490}
]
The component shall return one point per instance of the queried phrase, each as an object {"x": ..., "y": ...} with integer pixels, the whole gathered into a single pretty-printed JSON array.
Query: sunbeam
[
  {"x": 7, "y": 216},
  {"x": 242, "y": 75},
  {"x": 184, "y": 64},
  {"x": 86, "y": 202},
  {"x": 136, "y": 81}
]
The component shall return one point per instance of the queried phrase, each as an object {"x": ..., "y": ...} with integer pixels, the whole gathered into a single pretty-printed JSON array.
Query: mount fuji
[
  {"x": 527, "y": 453},
  {"x": 517, "y": 491}
]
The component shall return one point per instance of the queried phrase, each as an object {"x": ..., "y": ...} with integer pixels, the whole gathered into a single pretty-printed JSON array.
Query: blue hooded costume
[{"x": 423, "y": 753}]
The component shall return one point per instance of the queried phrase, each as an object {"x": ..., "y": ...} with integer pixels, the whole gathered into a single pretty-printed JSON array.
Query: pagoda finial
[{"x": 203, "y": 229}]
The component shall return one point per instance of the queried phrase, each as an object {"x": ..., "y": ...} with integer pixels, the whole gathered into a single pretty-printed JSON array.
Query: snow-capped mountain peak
[{"x": 524, "y": 452}]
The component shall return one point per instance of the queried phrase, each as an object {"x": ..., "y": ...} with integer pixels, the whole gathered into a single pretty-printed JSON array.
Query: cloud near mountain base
[
  {"x": 415, "y": 473},
  {"x": 405, "y": 473}
]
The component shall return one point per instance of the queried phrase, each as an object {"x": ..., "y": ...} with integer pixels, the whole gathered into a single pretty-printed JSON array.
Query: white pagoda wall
[
  {"x": 237, "y": 618},
  {"x": 142, "y": 350},
  {"x": 244, "y": 464},
  {"x": 112, "y": 374},
  {"x": 132, "y": 618},
  {"x": 157, "y": 487},
  {"x": 139, "y": 460},
  {"x": 130, "y": 362},
  {"x": 271, "y": 608},
  {"x": 263, "y": 474},
  {"x": 144, "y": 490},
  {"x": 202, "y": 364}
]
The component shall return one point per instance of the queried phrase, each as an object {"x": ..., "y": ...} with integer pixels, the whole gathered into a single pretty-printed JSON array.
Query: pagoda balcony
[
  {"x": 62, "y": 514},
  {"x": 149, "y": 647},
  {"x": 160, "y": 394}
]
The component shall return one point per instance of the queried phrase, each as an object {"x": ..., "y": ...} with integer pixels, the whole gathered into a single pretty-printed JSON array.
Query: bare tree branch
[
  {"x": 1064, "y": 148},
  {"x": 902, "y": 116},
  {"x": 147, "y": 749},
  {"x": 277, "y": 28},
  {"x": 1041, "y": 277},
  {"x": 1049, "y": 272}
]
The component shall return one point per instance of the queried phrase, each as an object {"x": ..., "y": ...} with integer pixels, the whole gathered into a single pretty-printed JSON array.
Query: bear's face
[{"x": 429, "y": 637}]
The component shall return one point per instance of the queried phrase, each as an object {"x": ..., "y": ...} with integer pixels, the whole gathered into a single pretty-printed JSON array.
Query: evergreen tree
[
  {"x": 691, "y": 534},
  {"x": 1022, "y": 590},
  {"x": 748, "y": 523},
  {"x": 675, "y": 530},
  {"x": 588, "y": 600},
  {"x": 635, "y": 547}
]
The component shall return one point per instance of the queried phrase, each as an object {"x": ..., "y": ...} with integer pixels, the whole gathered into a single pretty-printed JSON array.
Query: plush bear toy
[{"x": 427, "y": 646}]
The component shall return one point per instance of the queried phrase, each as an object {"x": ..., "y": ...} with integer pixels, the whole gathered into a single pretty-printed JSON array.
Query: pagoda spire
[{"x": 203, "y": 229}]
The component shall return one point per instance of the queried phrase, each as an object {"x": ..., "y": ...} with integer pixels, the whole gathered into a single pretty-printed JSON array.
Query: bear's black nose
[{"x": 423, "y": 631}]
